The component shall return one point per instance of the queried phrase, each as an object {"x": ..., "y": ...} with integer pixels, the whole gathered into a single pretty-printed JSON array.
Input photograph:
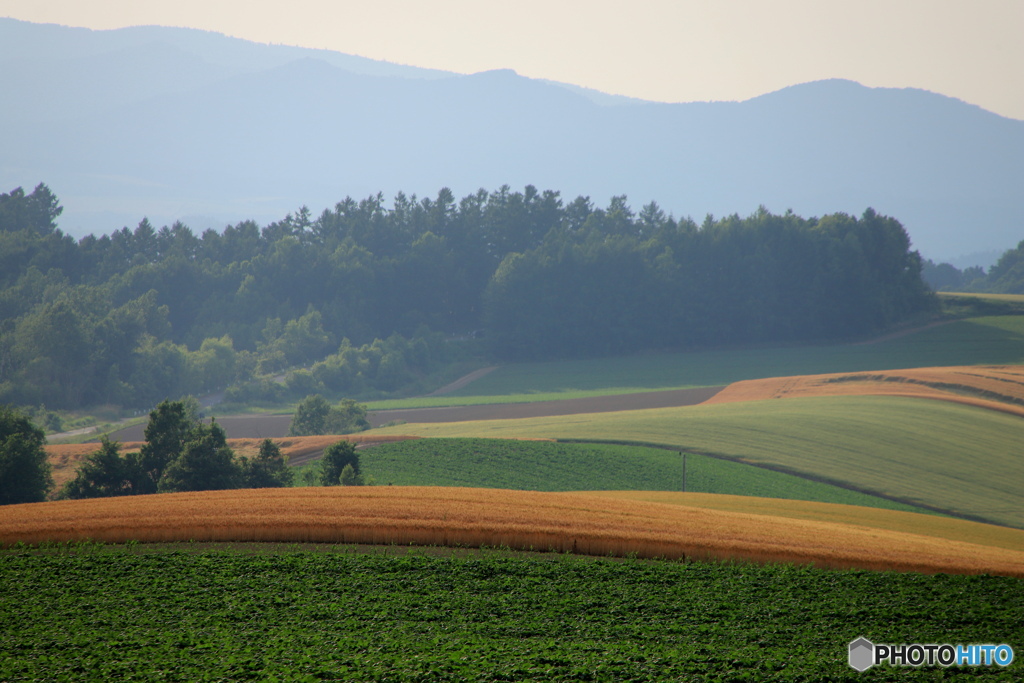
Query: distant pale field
[
  {"x": 992, "y": 340},
  {"x": 997, "y": 297},
  {"x": 994, "y": 387},
  {"x": 939, "y": 454},
  {"x": 561, "y": 522}
]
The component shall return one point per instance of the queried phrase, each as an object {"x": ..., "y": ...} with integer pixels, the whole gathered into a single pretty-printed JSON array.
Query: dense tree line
[
  {"x": 624, "y": 285},
  {"x": 367, "y": 292}
]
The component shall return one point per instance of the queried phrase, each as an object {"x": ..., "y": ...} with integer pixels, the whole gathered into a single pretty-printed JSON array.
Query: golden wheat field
[
  {"x": 997, "y": 387},
  {"x": 561, "y": 522},
  {"x": 893, "y": 520}
]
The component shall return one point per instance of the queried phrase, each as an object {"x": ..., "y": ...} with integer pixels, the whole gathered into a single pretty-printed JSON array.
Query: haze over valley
[{"x": 181, "y": 124}]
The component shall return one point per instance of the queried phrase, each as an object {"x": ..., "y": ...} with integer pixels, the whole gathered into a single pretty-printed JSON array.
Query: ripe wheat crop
[{"x": 560, "y": 522}]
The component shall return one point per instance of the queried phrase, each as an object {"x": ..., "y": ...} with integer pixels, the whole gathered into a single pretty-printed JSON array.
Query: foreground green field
[
  {"x": 929, "y": 453},
  {"x": 549, "y": 466},
  {"x": 981, "y": 340},
  {"x": 334, "y": 613}
]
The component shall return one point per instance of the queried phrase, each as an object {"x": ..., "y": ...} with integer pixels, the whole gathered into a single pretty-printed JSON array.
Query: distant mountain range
[{"x": 184, "y": 124}]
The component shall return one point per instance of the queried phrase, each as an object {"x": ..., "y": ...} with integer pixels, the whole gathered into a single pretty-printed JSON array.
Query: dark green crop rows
[{"x": 331, "y": 614}]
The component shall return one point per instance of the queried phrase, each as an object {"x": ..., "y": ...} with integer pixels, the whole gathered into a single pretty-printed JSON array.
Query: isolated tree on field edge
[
  {"x": 310, "y": 416},
  {"x": 336, "y": 458},
  {"x": 24, "y": 472},
  {"x": 268, "y": 469},
  {"x": 105, "y": 472},
  {"x": 170, "y": 427},
  {"x": 206, "y": 463},
  {"x": 315, "y": 416}
]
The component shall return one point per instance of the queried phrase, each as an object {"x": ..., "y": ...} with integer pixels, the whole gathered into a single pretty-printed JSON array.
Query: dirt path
[
  {"x": 903, "y": 333},
  {"x": 463, "y": 381},
  {"x": 276, "y": 426}
]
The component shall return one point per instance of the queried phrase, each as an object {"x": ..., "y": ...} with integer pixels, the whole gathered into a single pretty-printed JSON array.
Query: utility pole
[{"x": 684, "y": 471}]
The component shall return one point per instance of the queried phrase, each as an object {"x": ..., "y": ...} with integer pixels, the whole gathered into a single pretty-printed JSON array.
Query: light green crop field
[
  {"x": 930, "y": 453},
  {"x": 550, "y": 466},
  {"x": 996, "y": 340}
]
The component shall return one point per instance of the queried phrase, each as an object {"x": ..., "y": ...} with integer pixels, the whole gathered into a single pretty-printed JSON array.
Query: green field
[
  {"x": 548, "y": 466},
  {"x": 992, "y": 340},
  {"x": 930, "y": 453},
  {"x": 334, "y": 613}
]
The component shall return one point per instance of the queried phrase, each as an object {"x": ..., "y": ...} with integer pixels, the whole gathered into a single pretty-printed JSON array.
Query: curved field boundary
[
  {"x": 938, "y": 455},
  {"x": 893, "y": 520},
  {"x": 997, "y": 387},
  {"x": 527, "y": 520}
]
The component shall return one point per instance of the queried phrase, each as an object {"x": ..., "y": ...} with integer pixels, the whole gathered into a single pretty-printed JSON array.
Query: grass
[
  {"x": 549, "y": 466},
  {"x": 930, "y": 453},
  {"x": 993, "y": 340},
  {"x": 195, "y": 614}
]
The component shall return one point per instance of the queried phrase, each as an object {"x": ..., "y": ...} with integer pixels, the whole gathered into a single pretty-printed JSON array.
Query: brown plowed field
[
  {"x": 528, "y": 520},
  {"x": 996, "y": 387},
  {"x": 276, "y": 426}
]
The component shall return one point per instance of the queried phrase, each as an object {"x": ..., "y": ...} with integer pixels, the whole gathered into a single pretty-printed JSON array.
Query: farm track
[{"x": 463, "y": 381}]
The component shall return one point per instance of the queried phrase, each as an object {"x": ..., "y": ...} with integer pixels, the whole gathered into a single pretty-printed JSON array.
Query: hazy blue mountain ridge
[{"x": 184, "y": 124}]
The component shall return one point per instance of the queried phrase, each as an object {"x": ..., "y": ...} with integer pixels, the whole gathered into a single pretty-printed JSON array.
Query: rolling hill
[{"x": 528, "y": 520}]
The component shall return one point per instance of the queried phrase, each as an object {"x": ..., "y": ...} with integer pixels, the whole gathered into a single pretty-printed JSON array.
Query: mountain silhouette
[{"x": 184, "y": 124}]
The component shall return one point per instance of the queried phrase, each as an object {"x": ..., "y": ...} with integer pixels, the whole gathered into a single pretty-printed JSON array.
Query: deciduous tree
[{"x": 24, "y": 472}]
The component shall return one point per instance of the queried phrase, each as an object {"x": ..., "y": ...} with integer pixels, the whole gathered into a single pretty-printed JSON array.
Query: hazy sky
[{"x": 666, "y": 50}]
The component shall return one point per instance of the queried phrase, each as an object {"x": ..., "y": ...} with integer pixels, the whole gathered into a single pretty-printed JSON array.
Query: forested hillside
[
  {"x": 367, "y": 292},
  {"x": 1006, "y": 276}
]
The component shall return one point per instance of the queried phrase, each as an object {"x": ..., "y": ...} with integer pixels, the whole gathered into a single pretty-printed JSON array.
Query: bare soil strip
[{"x": 525, "y": 520}]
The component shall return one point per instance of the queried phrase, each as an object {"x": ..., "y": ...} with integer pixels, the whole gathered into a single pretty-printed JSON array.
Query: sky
[{"x": 661, "y": 50}]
